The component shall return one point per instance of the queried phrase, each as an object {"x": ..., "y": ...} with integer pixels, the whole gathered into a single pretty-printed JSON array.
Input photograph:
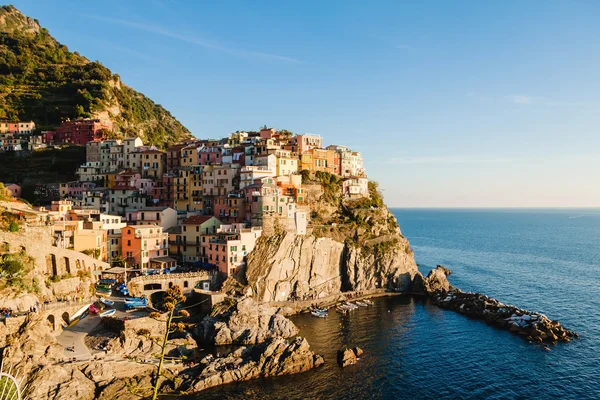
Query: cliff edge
[{"x": 351, "y": 244}]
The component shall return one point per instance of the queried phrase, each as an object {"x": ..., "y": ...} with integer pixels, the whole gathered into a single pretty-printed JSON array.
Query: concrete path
[{"x": 75, "y": 336}]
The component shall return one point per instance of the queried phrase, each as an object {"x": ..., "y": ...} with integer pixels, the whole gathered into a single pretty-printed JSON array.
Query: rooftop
[{"x": 197, "y": 219}]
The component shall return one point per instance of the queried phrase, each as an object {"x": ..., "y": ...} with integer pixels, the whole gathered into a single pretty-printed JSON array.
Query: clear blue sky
[{"x": 452, "y": 103}]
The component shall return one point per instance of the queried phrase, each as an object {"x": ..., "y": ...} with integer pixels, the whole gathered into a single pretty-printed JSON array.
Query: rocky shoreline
[
  {"x": 273, "y": 357},
  {"x": 533, "y": 326}
]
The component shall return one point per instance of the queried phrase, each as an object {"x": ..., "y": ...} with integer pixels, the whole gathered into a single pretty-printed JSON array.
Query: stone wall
[
  {"x": 148, "y": 284},
  {"x": 49, "y": 260}
]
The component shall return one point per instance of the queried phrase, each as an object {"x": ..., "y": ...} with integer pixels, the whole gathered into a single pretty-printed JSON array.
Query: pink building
[
  {"x": 209, "y": 155},
  {"x": 14, "y": 189},
  {"x": 267, "y": 133},
  {"x": 230, "y": 246}
]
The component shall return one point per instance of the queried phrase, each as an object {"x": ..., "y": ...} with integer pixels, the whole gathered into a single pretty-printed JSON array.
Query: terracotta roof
[{"x": 197, "y": 219}]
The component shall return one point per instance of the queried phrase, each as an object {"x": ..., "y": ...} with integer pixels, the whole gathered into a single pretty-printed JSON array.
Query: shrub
[
  {"x": 143, "y": 332},
  {"x": 13, "y": 227}
]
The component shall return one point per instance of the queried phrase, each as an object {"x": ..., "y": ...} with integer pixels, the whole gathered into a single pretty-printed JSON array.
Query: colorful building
[{"x": 141, "y": 243}]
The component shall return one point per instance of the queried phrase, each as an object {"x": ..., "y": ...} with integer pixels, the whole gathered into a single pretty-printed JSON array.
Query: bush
[
  {"x": 143, "y": 332},
  {"x": 13, "y": 227}
]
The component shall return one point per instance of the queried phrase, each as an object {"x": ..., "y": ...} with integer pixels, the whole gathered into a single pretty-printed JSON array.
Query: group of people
[{"x": 33, "y": 309}]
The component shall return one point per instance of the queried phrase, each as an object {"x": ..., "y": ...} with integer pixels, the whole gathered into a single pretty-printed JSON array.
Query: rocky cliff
[{"x": 351, "y": 245}]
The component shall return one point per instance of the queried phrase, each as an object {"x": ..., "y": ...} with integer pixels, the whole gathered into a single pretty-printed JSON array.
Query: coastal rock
[
  {"x": 246, "y": 322},
  {"x": 346, "y": 357},
  {"x": 436, "y": 281},
  {"x": 272, "y": 358},
  {"x": 293, "y": 267},
  {"x": 135, "y": 339},
  {"x": 530, "y": 325}
]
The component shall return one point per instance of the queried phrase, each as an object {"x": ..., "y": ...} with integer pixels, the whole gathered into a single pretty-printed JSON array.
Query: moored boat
[
  {"x": 318, "y": 314},
  {"x": 107, "y": 301},
  {"x": 108, "y": 313}
]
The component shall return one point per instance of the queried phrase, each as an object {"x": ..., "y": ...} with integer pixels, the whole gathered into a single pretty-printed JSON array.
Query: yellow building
[
  {"x": 95, "y": 240},
  {"x": 195, "y": 232}
]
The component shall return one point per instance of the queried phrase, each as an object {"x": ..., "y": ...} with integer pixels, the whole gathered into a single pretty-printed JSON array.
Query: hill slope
[{"x": 41, "y": 80}]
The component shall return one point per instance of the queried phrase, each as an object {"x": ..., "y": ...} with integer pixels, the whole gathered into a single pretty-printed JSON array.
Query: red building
[{"x": 78, "y": 132}]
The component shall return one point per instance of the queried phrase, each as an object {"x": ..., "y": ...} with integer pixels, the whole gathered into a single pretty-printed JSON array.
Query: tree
[{"x": 173, "y": 298}]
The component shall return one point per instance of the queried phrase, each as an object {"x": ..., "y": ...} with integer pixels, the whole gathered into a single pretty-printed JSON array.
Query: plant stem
[{"x": 162, "y": 356}]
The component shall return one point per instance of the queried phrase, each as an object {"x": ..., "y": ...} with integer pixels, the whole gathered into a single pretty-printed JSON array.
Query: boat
[
  {"x": 136, "y": 302},
  {"x": 104, "y": 285},
  {"x": 320, "y": 310},
  {"x": 110, "y": 281},
  {"x": 368, "y": 302},
  {"x": 318, "y": 314},
  {"x": 108, "y": 313},
  {"x": 362, "y": 304},
  {"x": 107, "y": 301}
]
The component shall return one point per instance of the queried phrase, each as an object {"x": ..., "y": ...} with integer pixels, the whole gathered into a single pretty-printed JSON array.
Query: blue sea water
[{"x": 542, "y": 260}]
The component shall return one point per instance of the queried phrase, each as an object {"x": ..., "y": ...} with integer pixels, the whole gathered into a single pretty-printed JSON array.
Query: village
[{"x": 198, "y": 205}]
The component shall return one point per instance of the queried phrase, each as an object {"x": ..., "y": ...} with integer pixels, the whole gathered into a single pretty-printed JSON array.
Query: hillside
[{"x": 41, "y": 80}]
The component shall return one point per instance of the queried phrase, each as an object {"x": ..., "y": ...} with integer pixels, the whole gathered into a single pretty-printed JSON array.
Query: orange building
[{"x": 141, "y": 243}]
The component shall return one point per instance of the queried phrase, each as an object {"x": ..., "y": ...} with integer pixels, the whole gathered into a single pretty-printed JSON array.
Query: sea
[{"x": 540, "y": 260}]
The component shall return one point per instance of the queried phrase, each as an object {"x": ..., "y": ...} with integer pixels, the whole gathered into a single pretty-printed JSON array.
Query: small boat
[
  {"x": 320, "y": 310},
  {"x": 107, "y": 301},
  {"x": 318, "y": 314},
  {"x": 362, "y": 304},
  {"x": 368, "y": 302},
  {"x": 108, "y": 313},
  {"x": 112, "y": 281}
]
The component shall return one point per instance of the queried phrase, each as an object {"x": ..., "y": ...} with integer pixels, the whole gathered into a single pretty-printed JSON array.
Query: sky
[{"x": 452, "y": 104}]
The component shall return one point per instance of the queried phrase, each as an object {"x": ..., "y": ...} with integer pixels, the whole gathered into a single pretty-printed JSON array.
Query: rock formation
[
  {"x": 352, "y": 246},
  {"x": 274, "y": 357},
  {"x": 347, "y": 356},
  {"x": 530, "y": 325},
  {"x": 245, "y": 322},
  {"x": 436, "y": 281}
]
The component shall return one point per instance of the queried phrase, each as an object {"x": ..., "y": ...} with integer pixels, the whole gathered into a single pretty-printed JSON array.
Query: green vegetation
[
  {"x": 332, "y": 190},
  {"x": 41, "y": 80},
  {"x": 13, "y": 227},
  {"x": 14, "y": 268},
  {"x": 8, "y": 388},
  {"x": 374, "y": 201},
  {"x": 95, "y": 253},
  {"x": 5, "y": 194}
]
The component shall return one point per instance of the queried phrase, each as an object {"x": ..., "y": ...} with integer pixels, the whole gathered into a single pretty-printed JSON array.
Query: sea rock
[
  {"x": 246, "y": 322},
  {"x": 346, "y": 357},
  {"x": 273, "y": 357},
  {"x": 436, "y": 281},
  {"x": 530, "y": 325}
]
